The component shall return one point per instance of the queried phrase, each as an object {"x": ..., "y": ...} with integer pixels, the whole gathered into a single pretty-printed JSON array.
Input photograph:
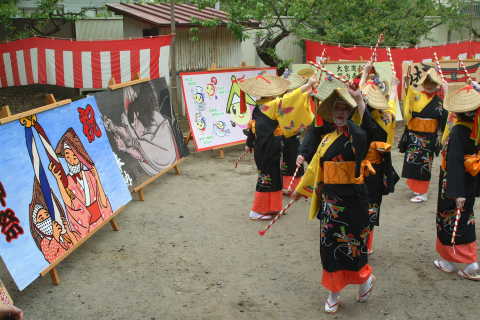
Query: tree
[
  {"x": 45, "y": 20},
  {"x": 356, "y": 22}
]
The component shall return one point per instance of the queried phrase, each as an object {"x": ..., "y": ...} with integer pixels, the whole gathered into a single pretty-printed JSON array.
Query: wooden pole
[
  {"x": 173, "y": 63},
  {"x": 5, "y": 112}
]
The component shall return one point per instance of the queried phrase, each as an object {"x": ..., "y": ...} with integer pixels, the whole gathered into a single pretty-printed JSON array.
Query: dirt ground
[{"x": 189, "y": 252}]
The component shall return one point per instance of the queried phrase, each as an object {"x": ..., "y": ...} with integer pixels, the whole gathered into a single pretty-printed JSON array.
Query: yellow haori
[
  {"x": 313, "y": 176},
  {"x": 414, "y": 101},
  {"x": 292, "y": 111}
]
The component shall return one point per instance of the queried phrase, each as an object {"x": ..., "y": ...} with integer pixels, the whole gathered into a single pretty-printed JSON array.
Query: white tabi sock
[{"x": 471, "y": 268}]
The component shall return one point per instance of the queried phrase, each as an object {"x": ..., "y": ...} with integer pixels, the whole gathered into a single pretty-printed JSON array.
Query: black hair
[{"x": 143, "y": 105}]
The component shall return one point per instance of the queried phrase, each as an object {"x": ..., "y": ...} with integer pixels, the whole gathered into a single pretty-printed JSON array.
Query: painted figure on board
[
  {"x": 53, "y": 237},
  {"x": 233, "y": 104},
  {"x": 144, "y": 133},
  {"x": 84, "y": 197}
]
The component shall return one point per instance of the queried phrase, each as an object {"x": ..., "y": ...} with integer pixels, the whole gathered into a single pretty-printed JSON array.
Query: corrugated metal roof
[{"x": 159, "y": 13}]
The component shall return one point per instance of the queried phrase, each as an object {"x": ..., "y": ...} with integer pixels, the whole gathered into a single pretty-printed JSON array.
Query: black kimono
[
  {"x": 456, "y": 182},
  {"x": 267, "y": 151},
  {"x": 420, "y": 146},
  {"x": 311, "y": 140},
  {"x": 385, "y": 177},
  {"x": 342, "y": 208}
]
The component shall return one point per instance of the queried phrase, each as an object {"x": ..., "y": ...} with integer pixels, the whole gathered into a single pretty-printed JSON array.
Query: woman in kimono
[
  {"x": 424, "y": 114},
  {"x": 272, "y": 118},
  {"x": 458, "y": 186},
  {"x": 335, "y": 179},
  {"x": 379, "y": 123}
]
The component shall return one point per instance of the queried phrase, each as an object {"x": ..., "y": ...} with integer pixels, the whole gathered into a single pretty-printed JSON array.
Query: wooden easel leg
[
  {"x": 55, "y": 277},
  {"x": 221, "y": 154},
  {"x": 177, "y": 171},
  {"x": 188, "y": 137},
  {"x": 114, "y": 225},
  {"x": 141, "y": 196}
]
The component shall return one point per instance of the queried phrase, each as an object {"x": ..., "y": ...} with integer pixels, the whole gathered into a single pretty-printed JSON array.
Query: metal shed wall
[{"x": 99, "y": 29}]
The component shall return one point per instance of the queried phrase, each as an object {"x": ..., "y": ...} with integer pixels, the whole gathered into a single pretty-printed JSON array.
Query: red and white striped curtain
[{"x": 82, "y": 64}]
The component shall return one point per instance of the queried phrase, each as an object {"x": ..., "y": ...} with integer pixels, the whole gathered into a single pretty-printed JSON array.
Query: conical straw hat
[
  {"x": 375, "y": 97},
  {"x": 463, "y": 100},
  {"x": 326, "y": 107},
  {"x": 296, "y": 81},
  {"x": 433, "y": 75},
  {"x": 306, "y": 72},
  {"x": 326, "y": 87},
  {"x": 265, "y": 86}
]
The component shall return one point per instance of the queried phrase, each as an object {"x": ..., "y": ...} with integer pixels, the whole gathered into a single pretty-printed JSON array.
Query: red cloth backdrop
[
  {"x": 466, "y": 50},
  {"x": 82, "y": 64}
]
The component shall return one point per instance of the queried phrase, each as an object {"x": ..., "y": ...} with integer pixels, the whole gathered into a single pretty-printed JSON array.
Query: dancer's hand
[
  {"x": 460, "y": 202},
  {"x": 10, "y": 311},
  {"x": 300, "y": 160},
  {"x": 296, "y": 196}
]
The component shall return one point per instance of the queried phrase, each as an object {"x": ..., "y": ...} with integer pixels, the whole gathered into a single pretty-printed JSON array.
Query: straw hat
[
  {"x": 326, "y": 87},
  {"x": 296, "y": 81},
  {"x": 326, "y": 107},
  {"x": 306, "y": 72},
  {"x": 264, "y": 85},
  {"x": 463, "y": 100},
  {"x": 375, "y": 97},
  {"x": 433, "y": 75}
]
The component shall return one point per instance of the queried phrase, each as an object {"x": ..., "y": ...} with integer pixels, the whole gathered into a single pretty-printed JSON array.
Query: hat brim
[
  {"x": 432, "y": 75},
  {"x": 265, "y": 86},
  {"x": 462, "y": 100},
  {"x": 296, "y": 81},
  {"x": 325, "y": 108},
  {"x": 375, "y": 97},
  {"x": 306, "y": 72}
]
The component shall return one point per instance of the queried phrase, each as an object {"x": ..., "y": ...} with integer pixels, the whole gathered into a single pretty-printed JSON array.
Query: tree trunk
[{"x": 266, "y": 51}]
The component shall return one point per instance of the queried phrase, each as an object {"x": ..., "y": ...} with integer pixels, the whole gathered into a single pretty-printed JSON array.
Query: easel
[
  {"x": 52, "y": 103},
  {"x": 189, "y": 136},
  {"x": 112, "y": 85},
  {"x": 5, "y": 112}
]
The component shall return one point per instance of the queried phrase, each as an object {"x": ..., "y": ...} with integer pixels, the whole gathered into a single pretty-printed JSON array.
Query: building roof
[{"x": 159, "y": 13}]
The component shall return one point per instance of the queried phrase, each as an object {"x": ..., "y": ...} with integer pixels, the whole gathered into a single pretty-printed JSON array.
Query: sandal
[
  {"x": 469, "y": 276},
  {"x": 331, "y": 308},
  {"x": 363, "y": 297},
  {"x": 420, "y": 198},
  {"x": 438, "y": 264},
  {"x": 259, "y": 217}
]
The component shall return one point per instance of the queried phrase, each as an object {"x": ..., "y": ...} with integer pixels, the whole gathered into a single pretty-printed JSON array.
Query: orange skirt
[
  {"x": 336, "y": 281},
  {"x": 464, "y": 253},
  {"x": 286, "y": 182},
  {"x": 418, "y": 186},
  {"x": 266, "y": 202}
]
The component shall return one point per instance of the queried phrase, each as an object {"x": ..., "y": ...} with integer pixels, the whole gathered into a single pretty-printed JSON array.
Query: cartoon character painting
[
  {"x": 200, "y": 122},
  {"x": 211, "y": 88},
  {"x": 233, "y": 104},
  {"x": 199, "y": 98},
  {"x": 220, "y": 128}
]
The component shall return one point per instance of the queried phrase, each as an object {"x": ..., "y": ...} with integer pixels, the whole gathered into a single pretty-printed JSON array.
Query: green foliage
[
  {"x": 45, "y": 20},
  {"x": 403, "y": 22}
]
